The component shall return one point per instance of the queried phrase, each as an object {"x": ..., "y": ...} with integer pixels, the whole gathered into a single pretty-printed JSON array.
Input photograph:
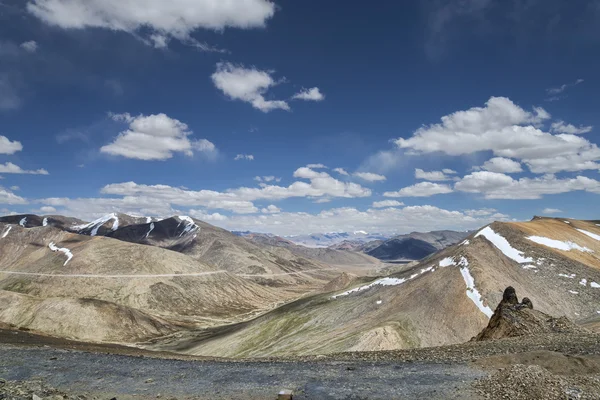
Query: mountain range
[{"x": 180, "y": 284}]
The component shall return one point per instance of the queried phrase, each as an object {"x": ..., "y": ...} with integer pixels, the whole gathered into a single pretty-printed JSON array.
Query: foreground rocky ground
[{"x": 549, "y": 367}]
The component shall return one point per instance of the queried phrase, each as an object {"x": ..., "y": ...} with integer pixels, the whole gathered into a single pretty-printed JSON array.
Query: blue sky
[{"x": 143, "y": 108}]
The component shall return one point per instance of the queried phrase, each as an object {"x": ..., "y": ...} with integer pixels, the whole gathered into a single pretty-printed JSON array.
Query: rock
[
  {"x": 285, "y": 395},
  {"x": 512, "y": 319},
  {"x": 36, "y": 397},
  {"x": 527, "y": 303},
  {"x": 509, "y": 296}
]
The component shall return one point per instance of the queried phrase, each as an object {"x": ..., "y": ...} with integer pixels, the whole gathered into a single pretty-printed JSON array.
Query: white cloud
[
  {"x": 508, "y": 131},
  {"x": 369, "y": 176},
  {"x": 15, "y": 188},
  {"x": 269, "y": 178},
  {"x": 552, "y": 211},
  {"x": 562, "y": 127},
  {"x": 341, "y": 171},
  {"x": 387, "y": 203},
  {"x": 30, "y": 46},
  {"x": 316, "y": 166},
  {"x": 248, "y": 157},
  {"x": 155, "y": 137},
  {"x": 433, "y": 175},
  {"x": 201, "y": 215},
  {"x": 9, "y": 147},
  {"x": 347, "y": 219},
  {"x": 163, "y": 200},
  {"x": 495, "y": 185},
  {"x": 272, "y": 209},
  {"x": 8, "y": 197},
  {"x": 449, "y": 171},
  {"x": 159, "y": 19},
  {"x": 501, "y": 164},
  {"x": 10, "y": 168},
  {"x": 555, "y": 93},
  {"x": 313, "y": 94},
  {"x": 47, "y": 210},
  {"x": 247, "y": 84},
  {"x": 423, "y": 189}
]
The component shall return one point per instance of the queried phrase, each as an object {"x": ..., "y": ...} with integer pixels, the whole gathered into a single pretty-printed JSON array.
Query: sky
[{"x": 296, "y": 117}]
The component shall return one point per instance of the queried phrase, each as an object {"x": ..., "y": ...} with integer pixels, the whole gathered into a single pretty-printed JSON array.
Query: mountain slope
[
  {"x": 416, "y": 245},
  {"x": 443, "y": 300},
  {"x": 48, "y": 263},
  {"x": 224, "y": 250}
]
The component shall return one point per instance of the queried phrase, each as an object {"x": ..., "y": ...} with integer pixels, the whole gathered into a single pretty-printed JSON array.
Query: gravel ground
[{"x": 104, "y": 376}]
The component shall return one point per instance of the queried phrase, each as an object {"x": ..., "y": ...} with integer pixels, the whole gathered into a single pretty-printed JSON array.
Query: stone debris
[{"x": 525, "y": 382}]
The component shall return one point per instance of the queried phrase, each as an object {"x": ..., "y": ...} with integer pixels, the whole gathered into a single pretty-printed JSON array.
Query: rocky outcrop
[{"x": 513, "y": 318}]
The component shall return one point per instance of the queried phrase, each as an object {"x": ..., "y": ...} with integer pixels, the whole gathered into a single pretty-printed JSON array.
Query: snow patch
[
  {"x": 446, "y": 262},
  {"x": 558, "y": 244},
  {"x": 45, "y": 222},
  {"x": 566, "y": 222},
  {"x": 571, "y": 276},
  {"x": 573, "y": 291},
  {"x": 190, "y": 225},
  {"x": 503, "y": 245},
  {"x": 465, "y": 243},
  {"x": 594, "y": 285},
  {"x": 95, "y": 225},
  {"x": 148, "y": 220},
  {"x": 379, "y": 302},
  {"x": 66, "y": 251},
  {"x": 6, "y": 232},
  {"x": 583, "y": 282},
  {"x": 590, "y": 234},
  {"x": 380, "y": 282},
  {"x": 472, "y": 291},
  {"x": 23, "y": 222},
  {"x": 151, "y": 229},
  {"x": 529, "y": 266}
]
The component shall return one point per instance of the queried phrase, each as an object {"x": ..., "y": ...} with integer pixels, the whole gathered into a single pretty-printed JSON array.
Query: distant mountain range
[
  {"x": 416, "y": 245},
  {"x": 332, "y": 238}
]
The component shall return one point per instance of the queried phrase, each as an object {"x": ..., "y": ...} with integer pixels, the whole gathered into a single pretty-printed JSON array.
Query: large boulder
[{"x": 512, "y": 319}]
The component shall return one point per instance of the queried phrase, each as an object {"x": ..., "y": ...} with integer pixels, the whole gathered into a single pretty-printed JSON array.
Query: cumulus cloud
[
  {"x": 562, "y": 127},
  {"x": 433, "y": 175},
  {"x": 423, "y": 189},
  {"x": 369, "y": 176},
  {"x": 30, "y": 46},
  {"x": 47, "y": 210},
  {"x": 269, "y": 178},
  {"x": 8, "y": 197},
  {"x": 341, "y": 171},
  {"x": 155, "y": 137},
  {"x": 551, "y": 211},
  {"x": 9, "y": 147},
  {"x": 271, "y": 209},
  {"x": 248, "y": 157},
  {"x": 387, "y": 203},
  {"x": 247, "y": 84},
  {"x": 316, "y": 166},
  {"x": 501, "y": 164},
  {"x": 10, "y": 168},
  {"x": 159, "y": 20},
  {"x": 313, "y": 94},
  {"x": 162, "y": 200},
  {"x": 495, "y": 185},
  {"x": 507, "y": 131}
]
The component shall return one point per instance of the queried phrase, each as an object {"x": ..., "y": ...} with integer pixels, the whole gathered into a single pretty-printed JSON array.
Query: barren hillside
[{"x": 443, "y": 300}]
